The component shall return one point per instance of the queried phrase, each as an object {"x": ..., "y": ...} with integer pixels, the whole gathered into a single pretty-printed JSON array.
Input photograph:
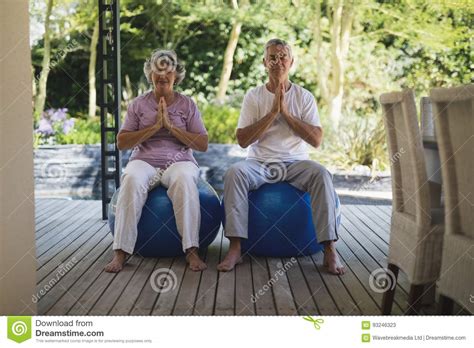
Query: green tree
[{"x": 45, "y": 67}]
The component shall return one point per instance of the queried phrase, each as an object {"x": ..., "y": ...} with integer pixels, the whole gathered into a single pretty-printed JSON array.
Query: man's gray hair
[
  {"x": 275, "y": 42},
  {"x": 163, "y": 61}
]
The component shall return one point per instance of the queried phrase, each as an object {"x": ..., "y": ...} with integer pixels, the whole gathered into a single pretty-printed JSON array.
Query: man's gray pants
[{"x": 305, "y": 175}]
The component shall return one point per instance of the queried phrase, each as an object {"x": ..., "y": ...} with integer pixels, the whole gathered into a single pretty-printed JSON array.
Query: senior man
[{"x": 278, "y": 120}]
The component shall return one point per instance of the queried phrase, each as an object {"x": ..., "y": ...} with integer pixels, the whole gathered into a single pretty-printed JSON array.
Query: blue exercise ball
[
  {"x": 157, "y": 232},
  {"x": 281, "y": 222}
]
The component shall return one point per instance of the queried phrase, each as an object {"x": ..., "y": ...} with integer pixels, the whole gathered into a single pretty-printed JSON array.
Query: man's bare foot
[
  {"x": 117, "y": 262},
  {"x": 194, "y": 261},
  {"x": 331, "y": 259},
  {"x": 232, "y": 258}
]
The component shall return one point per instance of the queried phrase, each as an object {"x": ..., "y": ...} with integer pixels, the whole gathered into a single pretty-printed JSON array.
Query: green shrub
[
  {"x": 359, "y": 141},
  {"x": 220, "y": 122},
  {"x": 86, "y": 131}
]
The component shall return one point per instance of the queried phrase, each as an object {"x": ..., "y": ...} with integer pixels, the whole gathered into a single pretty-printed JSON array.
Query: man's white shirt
[{"x": 279, "y": 142}]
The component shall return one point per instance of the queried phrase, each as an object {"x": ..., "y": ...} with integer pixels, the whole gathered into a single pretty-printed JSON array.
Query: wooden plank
[
  {"x": 305, "y": 304},
  {"x": 115, "y": 289},
  {"x": 371, "y": 258},
  {"x": 58, "y": 222},
  {"x": 263, "y": 292},
  {"x": 362, "y": 234},
  {"x": 71, "y": 255},
  {"x": 40, "y": 203},
  {"x": 148, "y": 296},
  {"x": 61, "y": 298},
  {"x": 384, "y": 222},
  {"x": 206, "y": 296},
  {"x": 87, "y": 301},
  {"x": 67, "y": 232},
  {"x": 66, "y": 225},
  {"x": 225, "y": 295},
  {"x": 319, "y": 291},
  {"x": 377, "y": 216},
  {"x": 55, "y": 216},
  {"x": 336, "y": 287},
  {"x": 371, "y": 222},
  {"x": 66, "y": 248},
  {"x": 359, "y": 272},
  {"x": 187, "y": 295},
  {"x": 165, "y": 303},
  {"x": 133, "y": 289},
  {"x": 367, "y": 230},
  {"x": 42, "y": 207},
  {"x": 244, "y": 288},
  {"x": 385, "y": 209},
  {"x": 284, "y": 301}
]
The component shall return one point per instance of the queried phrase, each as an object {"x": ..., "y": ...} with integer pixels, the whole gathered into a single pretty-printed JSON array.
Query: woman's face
[{"x": 163, "y": 82}]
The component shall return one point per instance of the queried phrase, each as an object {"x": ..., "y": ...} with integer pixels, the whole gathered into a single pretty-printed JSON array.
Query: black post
[{"x": 109, "y": 96}]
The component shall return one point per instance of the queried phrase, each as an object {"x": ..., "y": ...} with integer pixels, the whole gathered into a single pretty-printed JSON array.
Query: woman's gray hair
[
  {"x": 275, "y": 42},
  {"x": 164, "y": 61}
]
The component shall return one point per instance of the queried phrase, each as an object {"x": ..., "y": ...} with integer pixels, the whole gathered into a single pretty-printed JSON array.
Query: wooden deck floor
[{"x": 74, "y": 244}]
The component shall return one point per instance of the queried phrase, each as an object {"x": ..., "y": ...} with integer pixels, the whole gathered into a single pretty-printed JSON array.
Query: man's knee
[
  {"x": 317, "y": 170},
  {"x": 237, "y": 171}
]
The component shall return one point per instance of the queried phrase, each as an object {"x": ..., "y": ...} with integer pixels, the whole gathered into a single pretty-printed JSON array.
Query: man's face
[{"x": 278, "y": 61}]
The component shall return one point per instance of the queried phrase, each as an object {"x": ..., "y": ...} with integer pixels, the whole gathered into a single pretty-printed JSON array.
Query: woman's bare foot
[
  {"x": 117, "y": 262},
  {"x": 331, "y": 259},
  {"x": 232, "y": 258},
  {"x": 194, "y": 261}
]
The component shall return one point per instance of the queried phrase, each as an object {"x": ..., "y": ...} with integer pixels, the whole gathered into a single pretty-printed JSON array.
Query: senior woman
[{"x": 162, "y": 127}]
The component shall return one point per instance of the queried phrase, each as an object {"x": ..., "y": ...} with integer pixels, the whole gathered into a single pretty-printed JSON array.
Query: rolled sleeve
[
  {"x": 248, "y": 112},
  {"x": 310, "y": 112},
  {"x": 194, "y": 120},
  {"x": 131, "y": 119}
]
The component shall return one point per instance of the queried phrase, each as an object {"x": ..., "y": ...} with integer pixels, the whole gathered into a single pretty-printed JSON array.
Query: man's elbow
[
  {"x": 317, "y": 138},
  {"x": 240, "y": 139},
  {"x": 316, "y": 143}
]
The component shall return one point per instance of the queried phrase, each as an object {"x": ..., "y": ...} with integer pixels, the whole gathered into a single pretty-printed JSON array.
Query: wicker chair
[
  {"x": 416, "y": 231},
  {"x": 453, "y": 110}
]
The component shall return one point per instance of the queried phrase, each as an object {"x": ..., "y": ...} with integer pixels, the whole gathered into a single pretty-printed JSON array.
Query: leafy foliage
[{"x": 416, "y": 44}]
